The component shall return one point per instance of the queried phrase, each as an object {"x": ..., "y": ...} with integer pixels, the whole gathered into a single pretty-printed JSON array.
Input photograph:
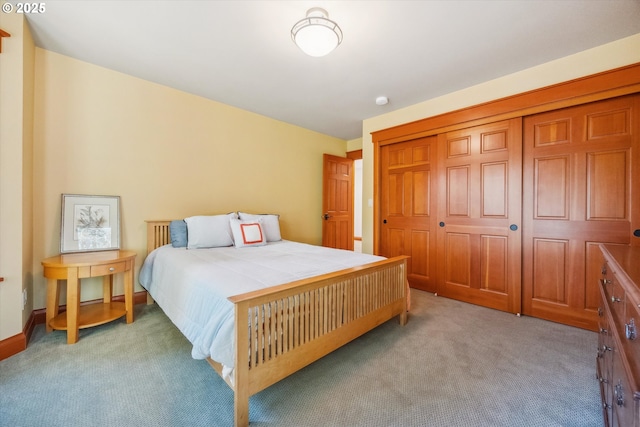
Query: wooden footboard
[{"x": 295, "y": 324}]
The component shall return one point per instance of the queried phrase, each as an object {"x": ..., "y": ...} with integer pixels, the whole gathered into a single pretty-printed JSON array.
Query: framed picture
[{"x": 89, "y": 223}]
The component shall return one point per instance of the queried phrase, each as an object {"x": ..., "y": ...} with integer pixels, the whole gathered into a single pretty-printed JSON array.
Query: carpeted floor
[{"x": 453, "y": 364}]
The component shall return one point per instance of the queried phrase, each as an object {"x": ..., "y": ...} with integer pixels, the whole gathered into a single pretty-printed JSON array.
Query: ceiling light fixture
[
  {"x": 316, "y": 34},
  {"x": 382, "y": 100}
]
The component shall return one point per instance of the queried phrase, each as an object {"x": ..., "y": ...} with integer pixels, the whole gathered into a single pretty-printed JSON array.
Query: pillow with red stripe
[{"x": 248, "y": 233}]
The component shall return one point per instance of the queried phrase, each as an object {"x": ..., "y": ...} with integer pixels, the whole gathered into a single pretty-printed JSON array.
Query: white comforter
[{"x": 192, "y": 286}]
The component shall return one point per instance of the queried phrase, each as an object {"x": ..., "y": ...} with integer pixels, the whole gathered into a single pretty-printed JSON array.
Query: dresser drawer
[
  {"x": 106, "y": 269},
  {"x": 617, "y": 303},
  {"x": 624, "y": 403},
  {"x": 629, "y": 336}
]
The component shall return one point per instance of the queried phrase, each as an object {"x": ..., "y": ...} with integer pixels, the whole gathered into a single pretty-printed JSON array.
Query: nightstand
[{"x": 77, "y": 266}]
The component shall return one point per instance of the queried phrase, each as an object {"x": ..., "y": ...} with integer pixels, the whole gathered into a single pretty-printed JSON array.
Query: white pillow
[
  {"x": 248, "y": 233},
  {"x": 211, "y": 231},
  {"x": 270, "y": 223}
]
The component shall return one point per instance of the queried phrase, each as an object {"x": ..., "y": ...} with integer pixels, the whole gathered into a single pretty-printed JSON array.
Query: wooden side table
[{"x": 72, "y": 268}]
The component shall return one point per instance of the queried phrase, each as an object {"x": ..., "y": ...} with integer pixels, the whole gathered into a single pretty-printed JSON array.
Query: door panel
[
  {"x": 479, "y": 200},
  {"x": 406, "y": 207},
  {"x": 457, "y": 261},
  {"x": 607, "y": 184},
  {"x": 458, "y": 196},
  {"x": 494, "y": 263},
  {"x": 494, "y": 186},
  {"x": 578, "y": 191},
  {"x": 337, "y": 202}
]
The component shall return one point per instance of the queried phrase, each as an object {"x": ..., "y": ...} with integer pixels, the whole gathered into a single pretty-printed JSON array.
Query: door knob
[
  {"x": 326, "y": 216},
  {"x": 384, "y": 221},
  {"x": 636, "y": 233}
]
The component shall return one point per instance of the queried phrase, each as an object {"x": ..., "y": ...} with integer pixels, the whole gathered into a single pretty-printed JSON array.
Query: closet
[{"x": 504, "y": 204}]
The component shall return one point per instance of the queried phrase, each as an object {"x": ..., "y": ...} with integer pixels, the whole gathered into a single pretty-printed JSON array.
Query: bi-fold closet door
[{"x": 508, "y": 214}]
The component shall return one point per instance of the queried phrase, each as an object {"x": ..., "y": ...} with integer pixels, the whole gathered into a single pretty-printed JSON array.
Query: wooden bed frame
[{"x": 295, "y": 324}]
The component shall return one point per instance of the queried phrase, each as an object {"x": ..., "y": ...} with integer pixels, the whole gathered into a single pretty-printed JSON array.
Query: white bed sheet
[{"x": 192, "y": 286}]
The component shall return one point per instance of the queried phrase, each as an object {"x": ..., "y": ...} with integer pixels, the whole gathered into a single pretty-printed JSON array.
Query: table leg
[
  {"x": 128, "y": 294},
  {"x": 53, "y": 298},
  {"x": 73, "y": 305},
  {"x": 107, "y": 288}
]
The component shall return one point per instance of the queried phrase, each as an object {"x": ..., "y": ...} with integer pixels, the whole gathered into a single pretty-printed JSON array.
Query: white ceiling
[{"x": 240, "y": 52}]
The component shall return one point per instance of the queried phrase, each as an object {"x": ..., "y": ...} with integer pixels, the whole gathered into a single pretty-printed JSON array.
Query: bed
[{"x": 291, "y": 324}]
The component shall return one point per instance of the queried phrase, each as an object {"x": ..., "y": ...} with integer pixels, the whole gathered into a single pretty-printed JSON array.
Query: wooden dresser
[{"x": 618, "y": 357}]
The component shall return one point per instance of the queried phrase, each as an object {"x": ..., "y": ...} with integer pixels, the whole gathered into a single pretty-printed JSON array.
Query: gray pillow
[{"x": 178, "y": 233}]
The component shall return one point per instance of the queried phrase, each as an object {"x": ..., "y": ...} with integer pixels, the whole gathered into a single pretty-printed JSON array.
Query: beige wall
[
  {"x": 167, "y": 154},
  {"x": 354, "y": 144},
  {"x": 16, "y": 147},
  {"x": 613, "y": 55}
]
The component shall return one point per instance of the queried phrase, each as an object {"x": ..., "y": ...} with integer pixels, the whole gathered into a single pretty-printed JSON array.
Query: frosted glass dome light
[{"x": 316, "y": 35}]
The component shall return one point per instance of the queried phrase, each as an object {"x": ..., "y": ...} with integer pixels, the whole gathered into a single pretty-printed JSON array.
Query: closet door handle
[{"x": 636, "y": 233}]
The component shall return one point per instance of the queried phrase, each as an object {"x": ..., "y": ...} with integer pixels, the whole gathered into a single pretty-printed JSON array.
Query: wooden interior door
[
  {"x": 479, "y": 215},
  {"x": 407, "y": 210},
  {"x": 337, "y": 202},
  {"x": 581, "y": 188}
]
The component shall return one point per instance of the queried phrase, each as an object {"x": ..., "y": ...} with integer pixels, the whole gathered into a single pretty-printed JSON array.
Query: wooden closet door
[
  {"x": 581, "y": 182},
  {"x": 407, "y": 211},
  {"x": 479, "y": 214}
]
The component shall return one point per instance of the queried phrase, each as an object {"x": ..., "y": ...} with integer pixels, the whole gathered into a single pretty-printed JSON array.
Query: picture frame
[{"x": 89, "y": 223}]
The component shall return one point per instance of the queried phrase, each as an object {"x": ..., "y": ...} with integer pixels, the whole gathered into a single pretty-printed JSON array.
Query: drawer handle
[
  {"x": 603, "y": 331},
  {"x": 630, "y": 329},
  {"x": 619, "y": 394},
  {"x": 602, "y": 350},
  {"x": 614, "y": 298},
  {"x": 112, "y": 269},
  {"x": 605, "y": 282}
]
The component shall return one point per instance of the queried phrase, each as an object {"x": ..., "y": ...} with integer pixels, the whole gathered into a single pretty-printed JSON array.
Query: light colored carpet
[{"x": 453, "y": 364}]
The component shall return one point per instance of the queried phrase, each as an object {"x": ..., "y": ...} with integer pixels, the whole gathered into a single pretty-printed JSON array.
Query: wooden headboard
[{"x": 157, "y": 234}]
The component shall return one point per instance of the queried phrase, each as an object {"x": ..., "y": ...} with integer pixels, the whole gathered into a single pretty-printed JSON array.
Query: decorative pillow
[
  {"x": 178, "y": 233},
  {"x": 248, "y": 233},
  {"x": 209, "y": 231},
  {"x": 270, "y": 224}
]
